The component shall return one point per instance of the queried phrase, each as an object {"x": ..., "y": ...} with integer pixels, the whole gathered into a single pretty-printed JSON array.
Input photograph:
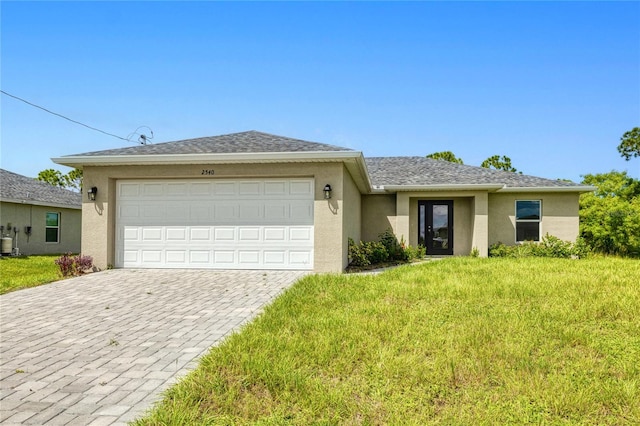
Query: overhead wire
[{"x": 142, "y": 138}]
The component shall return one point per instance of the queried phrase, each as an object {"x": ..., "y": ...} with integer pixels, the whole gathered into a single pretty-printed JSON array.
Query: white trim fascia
[
  {"x": 40, "y": 203},
  {"x": 577, "y": 188},
  {"x": 444, "y": 187},
  {"x": 252, "y": 157}
]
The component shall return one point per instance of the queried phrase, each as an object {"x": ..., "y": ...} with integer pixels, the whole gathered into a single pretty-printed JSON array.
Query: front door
[{"x": 435, "y": 226}]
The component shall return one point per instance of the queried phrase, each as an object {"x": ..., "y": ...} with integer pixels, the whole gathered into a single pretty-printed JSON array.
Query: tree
[
  {"x": 610, "y": 216},
  {"x": 53, "y": 177},
  {"x": 446, "y": 156},
  {"x": 73, "y": 179},
  {"x": 630, "y": 144},
  {"x": 498, "y": 163}
]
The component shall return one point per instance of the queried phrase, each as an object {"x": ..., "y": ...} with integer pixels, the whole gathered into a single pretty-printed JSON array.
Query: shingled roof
[
  {"x": 16, "y": 188},
  {"x": 403, "y": 173},
  {"x": 244, "y": 142},
  {"x": 422, "y": 171}
]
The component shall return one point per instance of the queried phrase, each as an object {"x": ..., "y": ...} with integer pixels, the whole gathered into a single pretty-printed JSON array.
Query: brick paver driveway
[{"x": 100, "y": 349}]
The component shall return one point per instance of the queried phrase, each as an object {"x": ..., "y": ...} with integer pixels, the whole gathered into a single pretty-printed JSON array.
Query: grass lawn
[
  {"x": 460, "y": 341},
  {"x": 27, "y": 271}
]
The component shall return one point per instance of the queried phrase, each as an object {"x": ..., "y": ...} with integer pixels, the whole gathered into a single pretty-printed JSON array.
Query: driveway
[{"x": 99, "y": 349}]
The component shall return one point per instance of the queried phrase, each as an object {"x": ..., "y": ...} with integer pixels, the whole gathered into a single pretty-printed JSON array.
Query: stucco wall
[
  {"x": 98, "y": 239},
  {"x": 559, "y": 215},
  {"x": 378, "y": 214},
  {"x": 21, "y": 215},
  {"x": 351, "y": 216}
]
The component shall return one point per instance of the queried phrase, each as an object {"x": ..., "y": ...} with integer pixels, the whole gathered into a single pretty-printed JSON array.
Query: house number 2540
[{"x": 207, "y": 172}]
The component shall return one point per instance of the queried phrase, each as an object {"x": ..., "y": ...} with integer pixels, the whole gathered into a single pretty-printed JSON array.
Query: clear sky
[{"x": 552, "y": 85}]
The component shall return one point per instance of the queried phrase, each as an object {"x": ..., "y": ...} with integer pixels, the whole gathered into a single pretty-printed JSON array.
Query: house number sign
[{"x": 207, "y": 172}]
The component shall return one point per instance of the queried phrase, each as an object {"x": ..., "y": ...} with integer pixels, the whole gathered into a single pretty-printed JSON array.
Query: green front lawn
[
  {"x": 27, "y": 271},
  {"x": 459, "y": 341}
]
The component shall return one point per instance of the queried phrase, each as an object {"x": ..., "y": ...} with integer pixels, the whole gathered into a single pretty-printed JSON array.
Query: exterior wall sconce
[
  {"x": 327, "y": 192},
  {"x": 92, "y": 192}
]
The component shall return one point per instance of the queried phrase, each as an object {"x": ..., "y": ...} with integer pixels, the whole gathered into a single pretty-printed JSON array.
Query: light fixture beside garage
[
  {"x": 327, "y": 192},
  {"x": 92, "y": 192}
]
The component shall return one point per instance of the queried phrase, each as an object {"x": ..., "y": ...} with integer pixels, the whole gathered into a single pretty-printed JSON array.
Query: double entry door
[{"x": 435, "y": 226}]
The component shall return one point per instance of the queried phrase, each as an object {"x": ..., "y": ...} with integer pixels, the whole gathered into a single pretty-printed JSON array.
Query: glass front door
[{"x": 435, "y": 226}]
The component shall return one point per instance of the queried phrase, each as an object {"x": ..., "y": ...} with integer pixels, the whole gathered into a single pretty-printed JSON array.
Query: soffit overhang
[{"x": 353, "y": 161}]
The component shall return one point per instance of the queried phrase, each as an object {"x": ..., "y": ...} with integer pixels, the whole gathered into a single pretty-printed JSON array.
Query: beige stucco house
[
  {"x": 38, "y": 217},
  {"x": 253, "y": 200}
]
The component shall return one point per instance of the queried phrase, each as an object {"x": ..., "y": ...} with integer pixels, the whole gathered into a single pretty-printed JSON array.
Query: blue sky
[{"x": 552, "y": 85}]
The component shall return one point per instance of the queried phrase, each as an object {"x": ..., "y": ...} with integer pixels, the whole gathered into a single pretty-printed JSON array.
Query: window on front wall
[
  {"x": 52, "y": 228},
  {"x": 528, "y": 216}
]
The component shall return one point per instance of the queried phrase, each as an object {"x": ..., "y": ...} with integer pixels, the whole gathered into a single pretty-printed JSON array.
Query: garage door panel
[
  {"x": 275, "y": 188},
  {"x": 224, "y": 188},
  {"x": 246, "y": 234},
  {"x": 253, "y": 189},
  {"x": 177, "y": 234},
  {"x": 225, "y": 212},
  {"x": 250, "y": 212},
  {"x": 276, "y": 212},
  {"x": 131, "y": 233},
  {"x": 274, "y": 234},
  {"x": 200, "y": 189},
  {"x": 151, "y": 256},
  {"x": 299, "y": 258},
  {"x": 224, "y": 257},
  {"x": 152, "y": 211},
  {"x": 224, "y": 234},
  {"x": 249, "y": 257},
  {"x": 274, "y": 257},
  {"x": 200, "y": 257},
  {"x": 241, "y": 224},
  {"x": 129, "y": 190},
  {"x": 153, "y": 189},
  {"x": 152, "y": 234},
  {"x": 200, "y": 234},
  {"x": 301, "y": 234},
  {"x": 177, "y": 256},
  {"x": 129, "y": 211}
]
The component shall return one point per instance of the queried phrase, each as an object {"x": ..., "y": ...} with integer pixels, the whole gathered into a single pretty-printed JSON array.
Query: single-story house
[
  {"x": 253, "y": 200},
  {"x": 39, "y": 218}
]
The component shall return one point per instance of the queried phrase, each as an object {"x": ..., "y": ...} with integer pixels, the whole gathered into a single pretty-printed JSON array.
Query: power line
[{"x": 143, "y": 137}]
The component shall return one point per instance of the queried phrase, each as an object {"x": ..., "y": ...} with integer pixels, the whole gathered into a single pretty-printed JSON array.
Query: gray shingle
[
  {"x": 244, "y": 142},
  {"x": 427, "y": 171},
  {"x": 17, "y": 187}
]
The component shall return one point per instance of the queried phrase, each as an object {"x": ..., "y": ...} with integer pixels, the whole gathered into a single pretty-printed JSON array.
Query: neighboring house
[
  {"x": 48, "y": 219},
  {"x": 253, "y": 200}
]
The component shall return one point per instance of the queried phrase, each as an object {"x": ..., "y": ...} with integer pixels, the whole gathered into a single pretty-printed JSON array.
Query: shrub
[
  {"x": 358, "y": 255},
  {"x": 72, "y": 266},
  {"x": 550, "y": 246},
  {"x": 394, "y": 249},
  {"x": 415, "y": 252},
  {"x": 387, "y": 249}
]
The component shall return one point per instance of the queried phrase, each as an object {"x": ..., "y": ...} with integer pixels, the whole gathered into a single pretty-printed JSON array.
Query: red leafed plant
[{"x": 72, "y": 266}]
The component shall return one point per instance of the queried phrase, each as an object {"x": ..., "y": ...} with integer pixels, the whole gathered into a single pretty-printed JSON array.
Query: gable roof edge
[
  {"x": 41, "y": 203},
  {"x": 79, "y": 161}
]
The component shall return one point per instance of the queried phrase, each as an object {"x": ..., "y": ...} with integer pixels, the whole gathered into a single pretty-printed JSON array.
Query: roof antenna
[{"x": 142, "y": 138}]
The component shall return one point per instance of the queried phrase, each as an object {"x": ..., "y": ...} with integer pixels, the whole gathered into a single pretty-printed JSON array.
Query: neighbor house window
[
  {"x": 528, "y": 215},
  {"x": 52, "y": 228}
]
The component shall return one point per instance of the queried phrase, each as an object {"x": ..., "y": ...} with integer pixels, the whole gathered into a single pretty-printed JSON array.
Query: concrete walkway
[{"x": 100, "y": 349}]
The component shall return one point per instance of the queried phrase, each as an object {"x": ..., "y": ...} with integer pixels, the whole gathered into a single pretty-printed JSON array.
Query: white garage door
[{"x": 220, "y": 224}]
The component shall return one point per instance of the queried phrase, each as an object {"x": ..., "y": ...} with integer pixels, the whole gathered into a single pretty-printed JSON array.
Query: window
[
  {"x": 528, "y": 214},
  {"x": 52, "y": 228}
]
